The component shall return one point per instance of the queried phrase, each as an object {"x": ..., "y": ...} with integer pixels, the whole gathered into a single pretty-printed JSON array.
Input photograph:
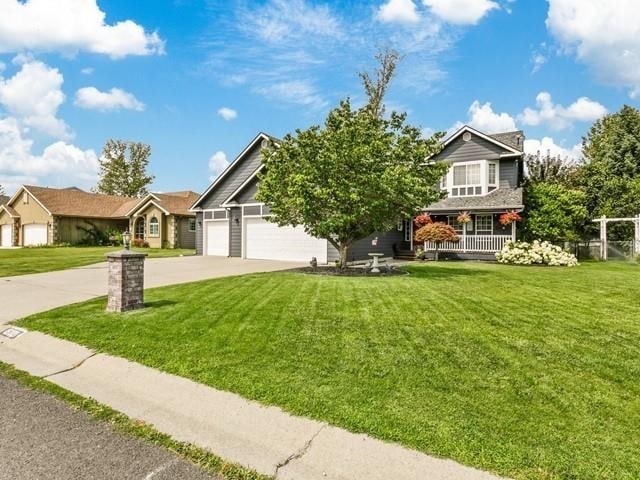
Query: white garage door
[
  {"x": 218, "y": 238},
  {"x": 35, "y": 234},
  {"x": 5, "y": 235},
  {"x": 268, "y": 241}
]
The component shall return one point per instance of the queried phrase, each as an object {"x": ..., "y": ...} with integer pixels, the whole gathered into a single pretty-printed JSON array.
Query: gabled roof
[
  {"x": 9, "y": 210},
  {"x": 499, "y": 199},
  {"x": 4, "y": 199},
  {"x": 497, "y": 139},
  {"x": 242, "y": 185},
  {"x": 258, "y": 138},
  {"x": 171, "y": 203},
  {"x": 73, "y": 202}
]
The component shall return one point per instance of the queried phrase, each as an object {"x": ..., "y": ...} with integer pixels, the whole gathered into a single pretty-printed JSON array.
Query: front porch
[{"x": 481, "y": 237}]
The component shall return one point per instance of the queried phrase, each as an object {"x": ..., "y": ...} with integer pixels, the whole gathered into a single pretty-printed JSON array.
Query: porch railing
[{"x": 472, "y": 243}]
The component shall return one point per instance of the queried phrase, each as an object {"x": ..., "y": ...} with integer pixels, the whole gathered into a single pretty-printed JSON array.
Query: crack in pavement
[
  {"x": 160, "y": 469},
  {"x": 300, "y": 453},
  {"x": 64, "y": 370}
]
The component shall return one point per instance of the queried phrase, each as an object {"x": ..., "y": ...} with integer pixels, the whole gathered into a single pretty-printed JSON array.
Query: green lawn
[
  {"x": 529, "y": 372},
  {"x": 21, "y": 261}
]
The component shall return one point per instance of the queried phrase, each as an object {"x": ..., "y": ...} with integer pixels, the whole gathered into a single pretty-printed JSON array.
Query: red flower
[{"x": 509, "y": 217}]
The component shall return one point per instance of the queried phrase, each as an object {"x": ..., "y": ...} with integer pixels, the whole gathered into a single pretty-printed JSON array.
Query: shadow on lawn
[
  {"x": 432, "y": 270},
  {"x": 159, "y": 303}
]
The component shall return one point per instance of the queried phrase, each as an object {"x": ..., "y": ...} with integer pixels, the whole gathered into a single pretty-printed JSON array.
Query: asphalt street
[{"x": 43, "y": 438}]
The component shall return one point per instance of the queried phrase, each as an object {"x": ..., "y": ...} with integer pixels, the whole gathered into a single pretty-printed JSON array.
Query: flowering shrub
[
  {"x": 422, "y": 220},
  {"x": 509, "y": 217},
  {"x": 536, "y": 253},
  {"x": 437, "y": 233},
  {"x": 463, "y": 217}
]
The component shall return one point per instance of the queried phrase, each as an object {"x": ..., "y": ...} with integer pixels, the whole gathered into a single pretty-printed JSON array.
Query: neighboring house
[
  {"x": 49, "y": 216},
  {"x": 485, "y": 180},
  {"x": 163, "y": 220},
  {"x": 230, "y": 222}
]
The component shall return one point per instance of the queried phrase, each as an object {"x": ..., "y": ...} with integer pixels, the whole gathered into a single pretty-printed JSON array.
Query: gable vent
[{"x": 466, "y": 136}]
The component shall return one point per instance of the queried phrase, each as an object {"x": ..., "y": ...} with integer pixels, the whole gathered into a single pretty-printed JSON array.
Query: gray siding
[
  {"x": 508, "y": 173},
  {"x": 235, "y": 232},
  {"x": 236, "y": 177},
  {"x": 199, "y": 235},
  {"x": 248, "y": 193},
  {"x": 475, "y": 149},
  {"x": 360, "y": 250},
  {"x": 186, "y": 239}
]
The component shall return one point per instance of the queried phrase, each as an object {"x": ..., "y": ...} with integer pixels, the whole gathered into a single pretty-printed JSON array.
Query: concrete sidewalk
[
  {"x": 262, "y": 438},
  {"x": 24, "y": 295}
]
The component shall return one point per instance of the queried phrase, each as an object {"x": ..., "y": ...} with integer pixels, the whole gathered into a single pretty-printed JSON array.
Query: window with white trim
[
  {"x": 453, "y": 221},
  {"x": 484, "y": 224},
  {"x": 492, "y": 176},
  {"x": 466, "y": 180},
  {"x": 192, "y": 224},
  {"x": 154, "y": 227}
]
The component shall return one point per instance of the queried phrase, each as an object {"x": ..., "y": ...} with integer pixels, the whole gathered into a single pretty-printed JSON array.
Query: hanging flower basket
[
  {"x": 422, "y": 220},
  {"x": 509, "y": 217},
  {"x": 463, "y": 217}
]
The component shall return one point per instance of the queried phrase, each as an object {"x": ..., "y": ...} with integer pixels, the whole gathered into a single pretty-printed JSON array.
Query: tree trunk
[
  {"x": 343, "y": 255},
  {"x": 437, "y": 246}
]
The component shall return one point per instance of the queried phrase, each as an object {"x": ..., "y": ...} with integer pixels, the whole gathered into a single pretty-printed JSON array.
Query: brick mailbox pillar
[{"x": 126, "y": 281}]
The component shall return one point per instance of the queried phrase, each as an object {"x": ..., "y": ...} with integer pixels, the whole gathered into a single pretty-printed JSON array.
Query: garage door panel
[
  {"x": 34, "y": 234},
  {"x": 268, "y": 241},
  {"x": 6, "y": 234},
  {"x": 218, "y": 238}
]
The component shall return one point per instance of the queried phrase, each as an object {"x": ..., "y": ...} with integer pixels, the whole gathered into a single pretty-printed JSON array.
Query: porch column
[
  {"x": 513, "y": 231},
  {"x": 464, "y": 238}
]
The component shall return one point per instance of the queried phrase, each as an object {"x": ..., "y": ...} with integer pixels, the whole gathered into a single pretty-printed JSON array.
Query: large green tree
[
  {"x": 358, "y": 173},
  {"x": 612, "y": 167},
  {"x": 554, "y": 212},
  {"x": 123, "y": 169},
  {"x": 550, "y": 169}
]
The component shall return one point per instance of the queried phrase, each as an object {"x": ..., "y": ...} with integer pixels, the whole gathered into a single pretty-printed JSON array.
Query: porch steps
[{"x": 405, "y": 255}]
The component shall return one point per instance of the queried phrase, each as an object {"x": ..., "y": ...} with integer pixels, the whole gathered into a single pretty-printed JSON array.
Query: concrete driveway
[{"x": 28, "y": 294}]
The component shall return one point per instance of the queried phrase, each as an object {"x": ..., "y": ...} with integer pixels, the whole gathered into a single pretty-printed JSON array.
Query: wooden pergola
[{"x": 604, "y": 244}]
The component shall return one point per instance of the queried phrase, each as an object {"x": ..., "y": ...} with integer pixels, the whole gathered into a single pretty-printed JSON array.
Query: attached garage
[
  {"x": 268, "y": 241},
  {"x": 34, "y": 234},
  {"x": 6, "y": 235},
  {"x": 217, "y": 237}
]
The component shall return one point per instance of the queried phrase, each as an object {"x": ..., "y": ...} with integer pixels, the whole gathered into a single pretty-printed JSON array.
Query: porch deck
[{"x": 472, "y": 244}]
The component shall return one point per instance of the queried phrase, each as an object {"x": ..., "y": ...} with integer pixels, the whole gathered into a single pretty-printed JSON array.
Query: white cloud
[
  {"x": 483, "y": 118},
  {"x": 603, "y": 34},
  {"x": 400, "y": 11},
  {"x": 461, "y": 12},
  {"x": 280, "y": 19},
  {"x": 538, "y": 60},
  {"x": 33, "y": 95},
  {"x": 559, "y": 117},
  {"x": 297, "y": 92},
  {"x": 87, "y": 71},
  {"x": 115, "y": 99},
  {"x": 227, "y": 113},
  {"x": 59, "y": 163},
  {"x": 547, "y": 145},
  {"x": 70, "y": 26},
  {"x": 217, "y": 163}
]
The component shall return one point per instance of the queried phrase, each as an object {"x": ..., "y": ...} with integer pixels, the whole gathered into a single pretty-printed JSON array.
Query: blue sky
[{"x": 198, "y": 79}]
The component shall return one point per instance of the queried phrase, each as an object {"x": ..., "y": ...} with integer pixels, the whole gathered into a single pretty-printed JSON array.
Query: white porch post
[
  {"x": 464, "y": 237},
  {"x": 513, "y": 231},
  {"x": 603, "y": 238}
]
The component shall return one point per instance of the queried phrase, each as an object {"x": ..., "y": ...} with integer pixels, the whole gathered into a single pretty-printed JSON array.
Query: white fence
[{"x": 472, "y": 243}]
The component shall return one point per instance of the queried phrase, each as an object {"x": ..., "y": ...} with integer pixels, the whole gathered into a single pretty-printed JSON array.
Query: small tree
[
  {"x": 123, "y": 169},
  {"x": 437, "y": 233},
  {"x": 357, "y": 174},
  {"x": 549, "y": 169}
]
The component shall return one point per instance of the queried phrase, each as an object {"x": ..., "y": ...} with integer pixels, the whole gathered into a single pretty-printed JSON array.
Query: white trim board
[{"x": 467, "y": 128}]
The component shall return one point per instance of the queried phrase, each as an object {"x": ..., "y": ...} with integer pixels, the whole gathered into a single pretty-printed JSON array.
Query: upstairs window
[
  {"x": 466, "y": 180},
  {"x": 492, "y": 176}
]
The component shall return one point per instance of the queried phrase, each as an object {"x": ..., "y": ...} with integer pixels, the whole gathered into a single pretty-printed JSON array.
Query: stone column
[{"x": 126, "y": 281}]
